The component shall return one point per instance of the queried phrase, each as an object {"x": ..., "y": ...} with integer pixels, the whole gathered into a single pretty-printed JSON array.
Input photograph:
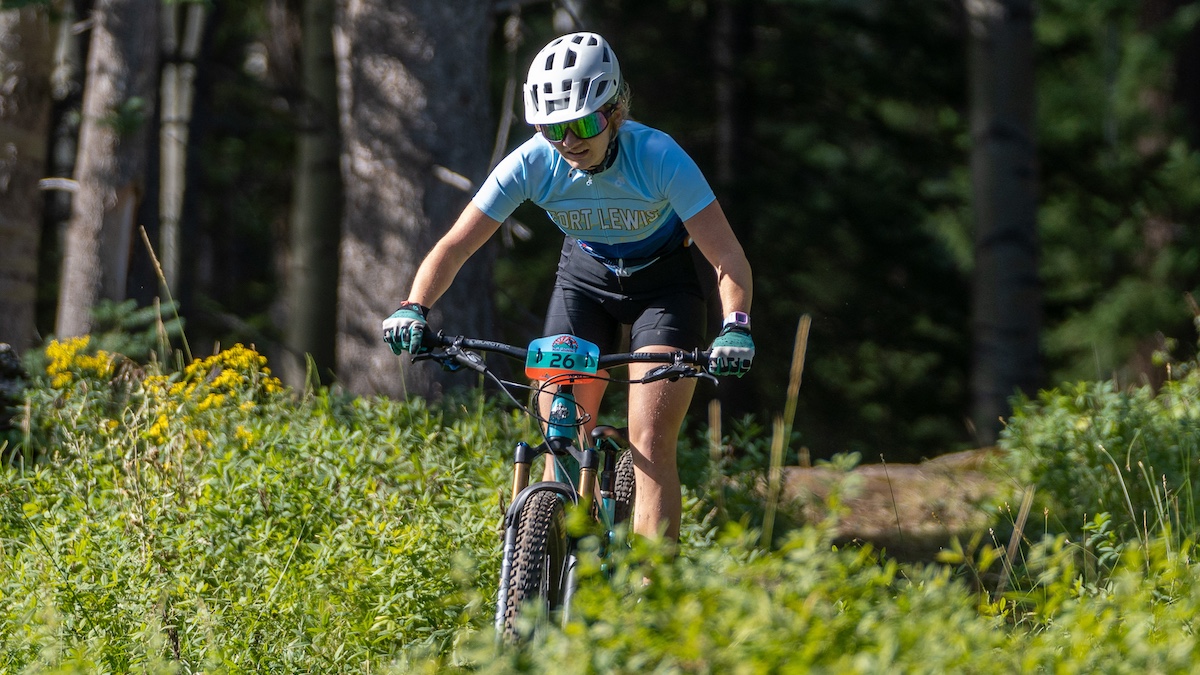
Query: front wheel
[{"x": 538, "y": 573}]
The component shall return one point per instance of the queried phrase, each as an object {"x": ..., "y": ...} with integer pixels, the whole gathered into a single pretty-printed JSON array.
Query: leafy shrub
[
  {"x": 807, "y": 607},
  {"x": 207, "y": 519},
  {"x": 1091, "y": 448},
  {"x": 136, "y": 332}
]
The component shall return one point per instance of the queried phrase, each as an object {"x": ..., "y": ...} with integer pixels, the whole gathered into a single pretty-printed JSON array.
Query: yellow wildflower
[
  {"x": 201, "y": 437},
  {"x": 228, "y": 379},
  {"x": 211, "y": 401},
  {"x": 67, "y": 361},
  {"x": 246, "y": 436},
  {"x": 235, "y": 376},
  {"x": 158, "y": 431}
]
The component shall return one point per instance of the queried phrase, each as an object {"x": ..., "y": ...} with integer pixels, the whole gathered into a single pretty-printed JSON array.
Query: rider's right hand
[{"x": 404, "y": 330}]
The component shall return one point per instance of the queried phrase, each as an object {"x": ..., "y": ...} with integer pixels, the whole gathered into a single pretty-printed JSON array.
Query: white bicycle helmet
[{"x": 572, "y": 76}]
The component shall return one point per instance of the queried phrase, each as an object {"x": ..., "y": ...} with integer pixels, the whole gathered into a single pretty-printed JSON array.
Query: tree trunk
[
  {"x": 118, "y": 102},
  {"x": 1007, "y": 293},
  {"x": 731, "y": 21},
  {"x": 26, "y": 47},
  {"x": 178, "y": 87},
  {"x": 568, "y": 16},
  {"x": 413, "y": 94},
  {"x": 731, "y": 25},
  {"x": 316, "y": 205},
  {"x": 1187, "y": 81}
]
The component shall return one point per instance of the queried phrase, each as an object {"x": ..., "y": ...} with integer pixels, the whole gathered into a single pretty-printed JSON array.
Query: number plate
[{"x": 558, "y": 355}]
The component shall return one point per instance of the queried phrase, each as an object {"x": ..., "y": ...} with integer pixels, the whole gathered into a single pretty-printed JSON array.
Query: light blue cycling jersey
[{"x": 625, "y": 216}]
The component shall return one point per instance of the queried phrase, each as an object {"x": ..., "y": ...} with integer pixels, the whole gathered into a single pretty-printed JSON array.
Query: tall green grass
[{"x": 1091, "y": 448}]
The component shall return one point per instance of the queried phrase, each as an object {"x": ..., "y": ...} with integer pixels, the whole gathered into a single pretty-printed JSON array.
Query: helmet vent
[
  {"x": 570, "y": 59},
  {"x": 601, "y": 90},
  {"x": 582, "y": 98},
  {"x": 577, "y": 39},
  {"x": 607, "y": 58},
  {"x": 550, "y": 62}
]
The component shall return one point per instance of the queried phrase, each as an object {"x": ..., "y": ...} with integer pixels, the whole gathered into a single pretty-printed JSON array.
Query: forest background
[{"x": 871, "y": 156}]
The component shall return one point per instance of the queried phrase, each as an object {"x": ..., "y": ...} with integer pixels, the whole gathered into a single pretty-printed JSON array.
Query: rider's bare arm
[
  {"x": 710, "y": 231},
  {"x": 437, "y": 271}
]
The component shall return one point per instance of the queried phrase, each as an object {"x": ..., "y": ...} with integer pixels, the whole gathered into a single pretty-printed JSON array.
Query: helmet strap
[{"x": 610, "y": 157}]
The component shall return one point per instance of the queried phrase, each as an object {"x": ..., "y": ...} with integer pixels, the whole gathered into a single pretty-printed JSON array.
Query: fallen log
[{"x": 912, "y": 511}]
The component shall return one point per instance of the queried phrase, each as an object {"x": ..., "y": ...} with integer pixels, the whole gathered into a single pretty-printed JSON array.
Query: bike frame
[{"x": 575, "y": 481}]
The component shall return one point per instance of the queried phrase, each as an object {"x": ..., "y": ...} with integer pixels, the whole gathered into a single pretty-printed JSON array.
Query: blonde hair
[{"x": 620, "y": 107}]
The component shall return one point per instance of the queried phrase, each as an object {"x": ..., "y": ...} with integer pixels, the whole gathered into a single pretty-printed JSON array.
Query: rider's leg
[
  {"x": 656, "y": 414},
  {"x": 587, "y": 396}
]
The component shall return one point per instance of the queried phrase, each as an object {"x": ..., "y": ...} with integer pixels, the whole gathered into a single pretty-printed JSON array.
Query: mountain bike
[{"x": 538, "y": 567}]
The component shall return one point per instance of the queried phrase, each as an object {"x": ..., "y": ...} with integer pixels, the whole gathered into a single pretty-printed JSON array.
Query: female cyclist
[{"x": 634, "y": 207}]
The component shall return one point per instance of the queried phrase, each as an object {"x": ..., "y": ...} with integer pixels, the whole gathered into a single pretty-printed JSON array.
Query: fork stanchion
[
  {"x": 587, "y": 476},
  {"x": 522, "y": 459}
]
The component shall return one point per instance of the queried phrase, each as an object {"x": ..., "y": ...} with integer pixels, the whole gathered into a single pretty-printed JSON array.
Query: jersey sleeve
[
  {"x": 505, "y": 188},
  {"x": 682, "y": 181}
]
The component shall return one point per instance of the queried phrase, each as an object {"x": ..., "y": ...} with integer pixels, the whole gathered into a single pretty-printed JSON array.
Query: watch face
[{"x": 738, "y": 319}]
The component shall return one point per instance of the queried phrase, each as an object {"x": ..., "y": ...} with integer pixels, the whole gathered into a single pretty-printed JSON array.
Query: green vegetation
[
  {"x": 204, "y": 519},
  {"x": 1093, "y": 447}
]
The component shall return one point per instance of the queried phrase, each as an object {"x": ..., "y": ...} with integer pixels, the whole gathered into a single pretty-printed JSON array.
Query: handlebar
[{"x": 457, "y": 349}]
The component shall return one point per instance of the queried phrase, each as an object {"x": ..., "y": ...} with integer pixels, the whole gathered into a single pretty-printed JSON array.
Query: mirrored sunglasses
[{"x": 585, "y": 127}]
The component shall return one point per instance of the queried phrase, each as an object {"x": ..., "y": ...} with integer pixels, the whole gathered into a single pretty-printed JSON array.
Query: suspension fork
[{"x": 562, "y": 428}]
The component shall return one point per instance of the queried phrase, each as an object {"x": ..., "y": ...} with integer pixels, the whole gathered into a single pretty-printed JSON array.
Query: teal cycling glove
[
  {"x": 404, "y": 330},
  {"x": 732, "y": 353}
]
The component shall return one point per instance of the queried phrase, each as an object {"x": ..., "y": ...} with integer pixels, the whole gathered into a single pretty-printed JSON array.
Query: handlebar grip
[{"x": 431, "y": 340}]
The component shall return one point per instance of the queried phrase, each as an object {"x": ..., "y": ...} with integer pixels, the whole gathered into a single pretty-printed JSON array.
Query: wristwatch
[{"x": 737, "y": 320}]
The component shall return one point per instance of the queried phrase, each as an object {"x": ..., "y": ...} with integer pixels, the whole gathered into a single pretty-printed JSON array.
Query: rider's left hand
[{"x": 732, "y": 352}]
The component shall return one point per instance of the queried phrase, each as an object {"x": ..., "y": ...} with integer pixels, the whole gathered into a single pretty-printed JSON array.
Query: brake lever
[
  {"x": 467, "y": 358},
  {"x": 660, "y": 373},
  {"x": 444, "y": 359},
  {"x": 674, "y": 371}
]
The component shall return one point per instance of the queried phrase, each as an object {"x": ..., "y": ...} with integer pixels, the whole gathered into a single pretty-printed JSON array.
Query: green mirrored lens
[
  {"x": 584, "y": 127},
  {"x": 553, "y": 132}
]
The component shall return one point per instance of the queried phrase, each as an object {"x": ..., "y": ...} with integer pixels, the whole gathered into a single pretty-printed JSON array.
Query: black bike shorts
[{"x": 662, "y": 304}]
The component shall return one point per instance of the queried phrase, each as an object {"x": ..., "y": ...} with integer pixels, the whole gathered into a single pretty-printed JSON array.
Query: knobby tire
[
  {"x": 623, "y": 488},
  {"x": 539, "y": 566}
]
